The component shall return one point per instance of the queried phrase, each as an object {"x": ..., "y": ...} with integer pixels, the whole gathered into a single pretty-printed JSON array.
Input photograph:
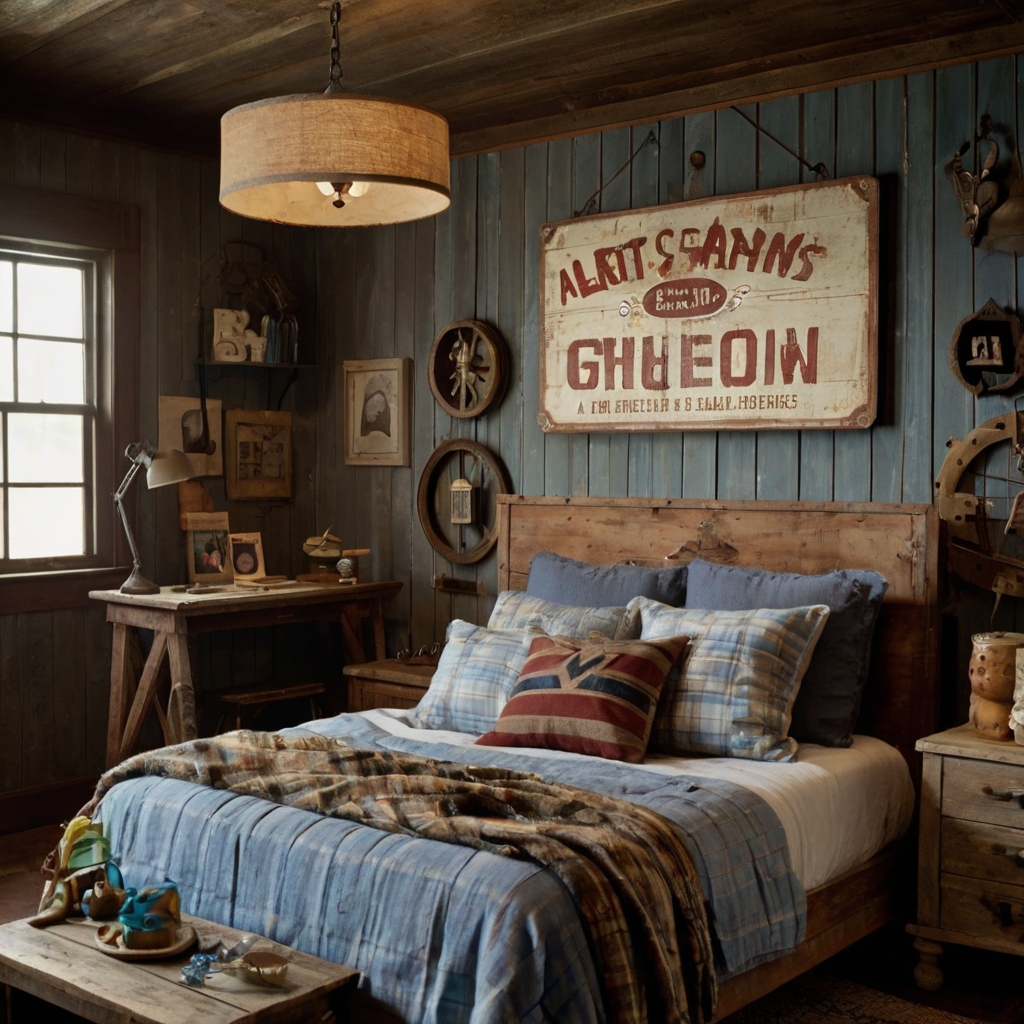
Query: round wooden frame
[
  {"x": 437, "y": 462},
  {"x": 441, "y": 362}
]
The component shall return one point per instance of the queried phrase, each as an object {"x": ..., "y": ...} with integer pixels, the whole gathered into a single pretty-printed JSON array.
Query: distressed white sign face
[{"x": 754, "y": 311}]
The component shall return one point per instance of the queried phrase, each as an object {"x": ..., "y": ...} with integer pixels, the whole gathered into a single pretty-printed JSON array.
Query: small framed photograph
[
  {"x": 377, "y": 399},
  {"x": 259, "y": 454},
  {"x": 247, "y": 556},
  {"x": 208, "y": 547}
]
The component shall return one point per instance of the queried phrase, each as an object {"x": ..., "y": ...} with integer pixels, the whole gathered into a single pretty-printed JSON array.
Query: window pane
[
  {"x": 6, "y": 295},
  {"x": 44, "y": 448},
  {"x": 49, "y": 300},
  {"x": 6, "y": 369},
  {"x": 46, "y": 521},
  {"x": 51, "y": 371}
]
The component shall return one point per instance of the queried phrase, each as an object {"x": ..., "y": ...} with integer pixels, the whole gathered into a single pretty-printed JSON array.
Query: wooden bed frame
[{"x": 900, "y": 703}]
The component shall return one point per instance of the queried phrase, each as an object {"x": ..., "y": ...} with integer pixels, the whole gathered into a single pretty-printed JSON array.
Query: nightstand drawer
[
  {"x": 982, "y": 851},
  {"x": 989, "y": 910},
  {"x": 983, "y": 791}
]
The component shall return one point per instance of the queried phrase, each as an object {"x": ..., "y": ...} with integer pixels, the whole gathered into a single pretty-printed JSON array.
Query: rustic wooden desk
[
  {"x": 61, "y": 965},
  {"x": 174, "y": 617}
]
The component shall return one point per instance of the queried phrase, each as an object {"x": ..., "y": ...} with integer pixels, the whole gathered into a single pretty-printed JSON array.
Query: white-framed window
[{"x": 48, "y": 407}]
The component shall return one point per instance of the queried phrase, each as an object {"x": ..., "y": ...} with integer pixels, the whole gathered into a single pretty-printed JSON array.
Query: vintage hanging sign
[{"x": 747, "y": 311}]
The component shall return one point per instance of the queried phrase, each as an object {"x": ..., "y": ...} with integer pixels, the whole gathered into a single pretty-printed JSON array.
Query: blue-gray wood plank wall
[
  {"x": 55, "y": 666},
  {"x": 484, "y": 263}
]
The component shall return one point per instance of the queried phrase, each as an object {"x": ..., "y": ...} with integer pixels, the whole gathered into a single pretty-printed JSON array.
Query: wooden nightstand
[
  {"x": 970, "y": 886},
  {"x": 386, "y": 684}
]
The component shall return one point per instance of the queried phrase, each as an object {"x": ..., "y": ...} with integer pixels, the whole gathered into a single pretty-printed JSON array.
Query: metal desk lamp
[{"x": 162, "y": 468}]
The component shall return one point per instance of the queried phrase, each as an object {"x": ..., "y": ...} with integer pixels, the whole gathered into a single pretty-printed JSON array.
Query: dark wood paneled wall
[
  {"x": 54, "y": 666},
  {"x": 385, "y": 292}
]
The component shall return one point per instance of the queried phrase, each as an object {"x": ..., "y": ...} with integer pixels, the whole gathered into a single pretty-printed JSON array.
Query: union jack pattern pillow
[{"x": 593, "y": 697}]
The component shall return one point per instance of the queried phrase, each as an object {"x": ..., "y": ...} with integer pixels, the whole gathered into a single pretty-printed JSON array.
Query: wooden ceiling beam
[
  {"x": 24, "y": 31},
  {"x": 472, "y": 139}
]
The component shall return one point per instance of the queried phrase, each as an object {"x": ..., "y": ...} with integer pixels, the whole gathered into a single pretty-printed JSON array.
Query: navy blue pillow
[
  {"x": 567, "y": 581},
  {"x": 828, "y": 703}
]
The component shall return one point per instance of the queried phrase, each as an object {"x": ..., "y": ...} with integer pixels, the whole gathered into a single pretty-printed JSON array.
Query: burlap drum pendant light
[{"x": 334, "y": 159}]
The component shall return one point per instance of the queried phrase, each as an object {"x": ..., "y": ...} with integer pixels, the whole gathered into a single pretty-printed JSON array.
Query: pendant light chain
[{"x": 334, "y": 82}]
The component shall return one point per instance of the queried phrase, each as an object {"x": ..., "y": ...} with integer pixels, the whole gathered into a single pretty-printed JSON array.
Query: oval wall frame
[
  {"x": 468, "y": 368},
  {"x": 480, "y": 466}
]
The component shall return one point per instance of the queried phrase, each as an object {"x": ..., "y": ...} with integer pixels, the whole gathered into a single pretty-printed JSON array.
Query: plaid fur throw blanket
[{"x": 626, "y": 868}]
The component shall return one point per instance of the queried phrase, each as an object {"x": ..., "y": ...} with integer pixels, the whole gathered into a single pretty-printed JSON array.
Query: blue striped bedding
[{"x": 445, "y": 933}]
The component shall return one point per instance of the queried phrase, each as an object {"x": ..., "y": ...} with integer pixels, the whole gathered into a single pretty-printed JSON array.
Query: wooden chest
[
  {"x": 386, "y": 684},
  {"x": 971, "y": 854}
]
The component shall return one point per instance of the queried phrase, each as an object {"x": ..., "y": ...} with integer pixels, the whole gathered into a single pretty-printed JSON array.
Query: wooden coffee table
[{"x": 61, "y": 965}]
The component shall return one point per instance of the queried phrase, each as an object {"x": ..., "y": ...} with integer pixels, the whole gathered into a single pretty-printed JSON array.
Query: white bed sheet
[{"x": 838, "y": 806}]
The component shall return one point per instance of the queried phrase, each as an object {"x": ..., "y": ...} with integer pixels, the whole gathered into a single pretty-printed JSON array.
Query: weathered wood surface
[
  {"x": 386, "y": 684},
  {"x": 901, "y": 542},
  {"x": 61, "y": 965},
  {"x": 978, "y": 907},
  {"x": 983, "y": 851},
  {"x": 929, "y": 833},
  {"x": 839, "y": 913},
  {"x": 173, "y": 617},
  {"x": 501, "y": 80},
  {"x": 983, "y": 791}
]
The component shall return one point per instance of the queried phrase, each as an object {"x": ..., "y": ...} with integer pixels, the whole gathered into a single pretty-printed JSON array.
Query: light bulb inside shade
[{"x": 355, "y": 190}]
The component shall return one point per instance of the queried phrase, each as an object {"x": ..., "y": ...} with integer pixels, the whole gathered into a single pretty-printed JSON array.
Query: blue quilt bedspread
[{"x": 445, "y": 933}]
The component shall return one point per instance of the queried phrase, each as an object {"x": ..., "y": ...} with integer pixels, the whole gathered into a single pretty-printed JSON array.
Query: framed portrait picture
[
  {"x": 247, "y": 556},
  {"x": 208, "y": 547},
  {"x": 181, "y": 426},
  {"x": 259, "y": 454},
  {"x": 377, "y": 396}
]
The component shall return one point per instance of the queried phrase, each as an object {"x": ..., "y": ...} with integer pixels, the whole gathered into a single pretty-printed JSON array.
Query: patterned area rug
[{"x": 825, "y": 1000}]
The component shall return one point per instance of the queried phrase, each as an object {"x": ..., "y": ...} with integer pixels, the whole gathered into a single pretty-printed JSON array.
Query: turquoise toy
[{"x": 151, "y": 917}]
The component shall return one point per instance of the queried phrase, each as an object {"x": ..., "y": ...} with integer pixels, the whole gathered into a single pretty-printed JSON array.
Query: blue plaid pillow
[
  {"x": 732, "y": 692},
  {"x": 475, "y": 674},
  {"x": 519, "y": 610}
]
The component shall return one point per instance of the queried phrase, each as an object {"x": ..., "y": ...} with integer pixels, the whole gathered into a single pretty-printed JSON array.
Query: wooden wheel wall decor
[
  {"x": 461, "y": 460},
  {"x": 468, "y": 368}
]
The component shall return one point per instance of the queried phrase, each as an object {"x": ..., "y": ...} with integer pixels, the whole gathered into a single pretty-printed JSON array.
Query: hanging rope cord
[
  {"x": 819, "y": 168},
  {"x": 591, "y": 204}
]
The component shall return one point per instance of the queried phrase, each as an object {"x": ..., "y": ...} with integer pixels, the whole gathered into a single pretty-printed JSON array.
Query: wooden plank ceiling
[{"x": 163, "y": 71}]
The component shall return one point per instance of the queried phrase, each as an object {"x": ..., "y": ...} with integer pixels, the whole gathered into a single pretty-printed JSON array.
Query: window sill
[{"x": 49, "y": 591}]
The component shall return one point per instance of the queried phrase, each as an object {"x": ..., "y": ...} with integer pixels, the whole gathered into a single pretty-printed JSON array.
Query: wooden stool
[{"x": 261, "y": 698}]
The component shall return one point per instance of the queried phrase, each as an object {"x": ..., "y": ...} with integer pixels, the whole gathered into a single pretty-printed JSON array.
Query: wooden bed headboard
[{"x": 900, "y": 541}]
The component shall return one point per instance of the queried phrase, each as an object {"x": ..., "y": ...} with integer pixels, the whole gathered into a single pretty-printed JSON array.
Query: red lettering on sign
[
  {"x": 588, "y": 285},
  {"x": 769, "y": 357},
  {"x": 785, "y": 253},
  {"x": 666, "y": 265},
  {"x": 791, "y": 355},
  {"x": 714, "y": 245},
  {"x": 689, "y": 361},
  {"x": 567, "y": 286},
  {"x": 625, "y": 361},
  {"x": 725, "y": 359},
  {"x": 593, "y": 368},
  {"x": 741, "y": 248},
  {"x": 650, "y": 363},
  {"x": 806, "y": 252},
  {"x": 605, "y": 271},
  {"x": 692, "y": 252}
]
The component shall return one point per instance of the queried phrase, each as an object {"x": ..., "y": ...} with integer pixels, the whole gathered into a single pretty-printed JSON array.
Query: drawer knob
[
  {"x": 1017, "y": 856},
  {"x": 1004, "y": 795}
]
